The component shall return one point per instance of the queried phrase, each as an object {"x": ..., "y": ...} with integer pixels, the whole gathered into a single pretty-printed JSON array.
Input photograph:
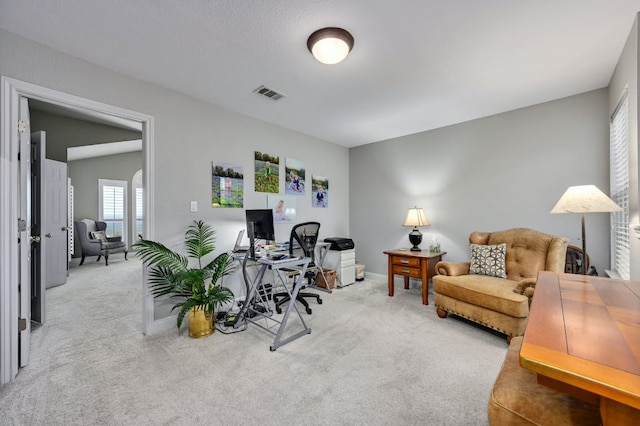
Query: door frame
[{"x": 10, "y": 92}]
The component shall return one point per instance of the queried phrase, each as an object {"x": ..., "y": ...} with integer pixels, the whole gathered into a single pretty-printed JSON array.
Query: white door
[
  {"x": 24, "y": 233},
  {"x": 55, "y": 224},
  {"x": 38, "y": 214}
]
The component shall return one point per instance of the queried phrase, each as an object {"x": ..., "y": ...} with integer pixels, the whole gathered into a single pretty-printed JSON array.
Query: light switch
[{"x": 194, "y": 206}]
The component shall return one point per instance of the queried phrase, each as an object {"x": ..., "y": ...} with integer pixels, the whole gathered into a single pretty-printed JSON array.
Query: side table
[{"x": 413, "y": 264}]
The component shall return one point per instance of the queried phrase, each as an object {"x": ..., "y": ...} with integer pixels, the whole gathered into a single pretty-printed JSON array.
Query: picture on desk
[
  {"x": 283, "y": 206},
  {"x": 294, "y": 177},
  {"x": 267, "y": 168},
  {"x": 227, "y": 185},
  {"x": 320, "y": 195}
]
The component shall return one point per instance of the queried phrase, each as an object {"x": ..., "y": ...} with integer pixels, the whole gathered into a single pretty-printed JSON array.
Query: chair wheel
[
  {"x": 309, "y": 311},
  {"x": 319, "y": 301},
  {"x": 278, "y": 309}
]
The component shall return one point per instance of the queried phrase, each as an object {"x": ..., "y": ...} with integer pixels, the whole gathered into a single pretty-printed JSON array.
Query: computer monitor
[{"x": 260, "y": 227}]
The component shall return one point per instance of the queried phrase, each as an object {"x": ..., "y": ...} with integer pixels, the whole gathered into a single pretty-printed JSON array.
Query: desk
[
  {"x": 249, "y": 315},
  {"x": 321, "y": 253},
  {"x": 583, "y": 338},
  {"x": 413, "y": 264}
]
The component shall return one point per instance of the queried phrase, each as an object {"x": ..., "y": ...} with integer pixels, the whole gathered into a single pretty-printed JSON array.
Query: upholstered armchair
[
  {"x": 94, "y": 242},
  {"x": 495, "y": 288}
]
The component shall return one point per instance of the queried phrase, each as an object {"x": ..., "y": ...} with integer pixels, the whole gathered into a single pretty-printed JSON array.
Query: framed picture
[
  {"x": 320, "y": 194},
  {"x": 267, "y": 169},
  {"x": 283, "y": 206},
  {"x": 294, "y": 177},
  {"x": 227, "y": 185}
]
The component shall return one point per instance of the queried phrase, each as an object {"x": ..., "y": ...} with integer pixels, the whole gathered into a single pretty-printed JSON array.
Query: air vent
[{"x": 269, "y": 93}]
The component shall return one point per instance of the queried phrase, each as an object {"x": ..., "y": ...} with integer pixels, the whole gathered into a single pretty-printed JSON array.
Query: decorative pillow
[
  {"x": 488, "y": 260},
  {"x": 99, "y": 235}
]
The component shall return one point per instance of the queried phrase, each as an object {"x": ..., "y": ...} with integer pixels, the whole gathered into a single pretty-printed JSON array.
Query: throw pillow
[
  {"x": 488, "y": 260},
  {"x": 99, "y": 235}
]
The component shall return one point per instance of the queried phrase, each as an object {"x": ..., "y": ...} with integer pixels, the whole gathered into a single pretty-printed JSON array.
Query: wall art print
[
  {"x": 294, "y": 177},
  {"x": 320, "y": 194},
  {"x": 283, "y": 206},
  {"x": 267, "y": 173},
  {"x": 227, "y": 185}
]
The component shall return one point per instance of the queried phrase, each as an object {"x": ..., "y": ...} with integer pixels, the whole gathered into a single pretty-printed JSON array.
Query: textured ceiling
[{"x": 416, "y": 64}]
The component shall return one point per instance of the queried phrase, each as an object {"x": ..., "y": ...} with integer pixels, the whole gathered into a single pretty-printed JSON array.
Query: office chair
[{"x": 304, "y": 236}]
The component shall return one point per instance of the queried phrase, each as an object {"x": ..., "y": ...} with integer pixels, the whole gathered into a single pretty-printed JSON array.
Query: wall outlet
[{"x": 194, "y": 206}]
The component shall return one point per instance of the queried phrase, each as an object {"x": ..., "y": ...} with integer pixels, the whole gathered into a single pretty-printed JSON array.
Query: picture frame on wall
[
  {"x": 227, "y": 185},
  {"x": 267, "y": 172},
  {"x": 320, "y": 194},
  {"x": 283, "y": 206},
  {"x": 294, "y": 177}
]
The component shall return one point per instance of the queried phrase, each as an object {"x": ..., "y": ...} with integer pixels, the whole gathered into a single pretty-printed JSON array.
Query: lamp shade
[
  {"x": 330, "y": 45},
  {"x": 416, "y": 218},
  {"x": 585, "y": 199}
]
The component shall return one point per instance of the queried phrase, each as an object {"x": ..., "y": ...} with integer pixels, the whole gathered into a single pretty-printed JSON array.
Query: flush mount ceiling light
[{"x": 330, "y": 45}]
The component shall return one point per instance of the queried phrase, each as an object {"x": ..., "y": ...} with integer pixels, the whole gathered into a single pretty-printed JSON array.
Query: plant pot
[{"x": 200, "y": 323}]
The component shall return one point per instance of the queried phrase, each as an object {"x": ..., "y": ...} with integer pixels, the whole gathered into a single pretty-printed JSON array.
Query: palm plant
[{"x": 195, "y": 287}]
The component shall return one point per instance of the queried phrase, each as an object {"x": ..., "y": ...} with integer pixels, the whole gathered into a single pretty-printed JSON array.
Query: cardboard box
[{"x": 331, "y": 278}]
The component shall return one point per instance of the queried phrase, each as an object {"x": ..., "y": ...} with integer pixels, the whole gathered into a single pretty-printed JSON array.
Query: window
[
  {"x": 113, "y": 206},
  {"x": 138, "y": 211},
  {"x": 619, "y": 182}
]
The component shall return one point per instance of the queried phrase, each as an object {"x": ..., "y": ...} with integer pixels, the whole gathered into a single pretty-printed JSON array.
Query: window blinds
[
  {"x": 619, "y": 183},
  {"x": 113, "y": 206}
]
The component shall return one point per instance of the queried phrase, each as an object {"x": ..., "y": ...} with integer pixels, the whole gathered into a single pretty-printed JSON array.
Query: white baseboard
[
  {"x": 371, "y": 276},
  {"x": 163, "y": 324}
]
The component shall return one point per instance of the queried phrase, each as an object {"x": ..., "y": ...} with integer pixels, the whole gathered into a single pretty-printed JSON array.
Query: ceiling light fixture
[{"x": 330, "y": 45}]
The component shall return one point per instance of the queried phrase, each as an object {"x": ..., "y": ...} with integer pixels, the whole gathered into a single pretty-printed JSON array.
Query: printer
[{"x": 340, "y": 243}]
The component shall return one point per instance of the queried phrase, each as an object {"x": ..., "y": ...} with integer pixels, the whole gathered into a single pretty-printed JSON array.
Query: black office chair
[{"x": 304, "y": 237}]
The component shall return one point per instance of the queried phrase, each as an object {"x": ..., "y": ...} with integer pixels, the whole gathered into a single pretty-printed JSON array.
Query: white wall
[
  {"x": 189, "y": 135},
  {"x": 85, "y": 175},
  {"x": 626, "y": 75},
  {"x": 489, "y": 174}
]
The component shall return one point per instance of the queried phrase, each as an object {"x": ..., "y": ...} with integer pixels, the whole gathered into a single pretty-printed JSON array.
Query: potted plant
[{"x": 196, "y": 287}]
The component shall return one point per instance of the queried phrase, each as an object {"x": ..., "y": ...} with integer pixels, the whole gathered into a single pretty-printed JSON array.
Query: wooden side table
[{"x": 413, "y": 264}]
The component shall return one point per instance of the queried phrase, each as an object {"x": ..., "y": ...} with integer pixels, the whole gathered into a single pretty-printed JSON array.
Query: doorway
[{"x": 11, "y": 92}]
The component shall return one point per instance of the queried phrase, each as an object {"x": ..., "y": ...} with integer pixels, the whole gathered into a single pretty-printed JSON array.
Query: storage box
[{"x": 331, "y": 278}]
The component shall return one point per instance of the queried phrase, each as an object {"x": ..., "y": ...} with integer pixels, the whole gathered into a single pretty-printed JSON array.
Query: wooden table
[
  {"x": 413, "y": 264},
  {"x": 583, "y": 338}
]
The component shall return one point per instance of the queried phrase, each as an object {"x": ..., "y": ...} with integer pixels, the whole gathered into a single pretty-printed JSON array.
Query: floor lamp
[{"x": 585, "y": 199}]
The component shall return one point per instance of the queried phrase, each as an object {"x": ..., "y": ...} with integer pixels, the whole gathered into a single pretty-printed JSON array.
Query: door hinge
[
  {"x": 22, "y": 126},
  {"x": 22, "y": 324}
]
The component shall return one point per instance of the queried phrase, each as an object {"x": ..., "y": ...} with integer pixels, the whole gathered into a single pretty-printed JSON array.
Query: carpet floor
[{"x": 369, "y": 360}]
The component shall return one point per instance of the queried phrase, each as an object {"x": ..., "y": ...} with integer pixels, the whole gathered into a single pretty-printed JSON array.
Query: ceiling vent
[{"x": 269, "y": 93}]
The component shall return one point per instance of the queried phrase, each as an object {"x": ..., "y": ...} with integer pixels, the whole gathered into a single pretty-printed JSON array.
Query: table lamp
[
  {"x": 416, "y": 218},
  {"x": 585, "y": 199}
]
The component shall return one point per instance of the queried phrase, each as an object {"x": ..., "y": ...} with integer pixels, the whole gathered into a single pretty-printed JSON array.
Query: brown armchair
[{"x": 499, "y": 303}]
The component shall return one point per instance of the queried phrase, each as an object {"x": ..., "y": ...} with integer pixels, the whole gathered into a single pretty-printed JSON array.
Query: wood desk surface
[
  {"x": 408, "y": 253},
  {"x": 584, "y": 331}
]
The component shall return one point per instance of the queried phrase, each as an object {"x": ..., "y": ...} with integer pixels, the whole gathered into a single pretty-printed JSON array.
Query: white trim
[
  {"x": 162, "y": 325},
  {"x": 379, "y": 278},
  {"x": 612, "y": 274},
  {"x": 8, "y": 233},
  {"x": 10, "y": 91}
]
